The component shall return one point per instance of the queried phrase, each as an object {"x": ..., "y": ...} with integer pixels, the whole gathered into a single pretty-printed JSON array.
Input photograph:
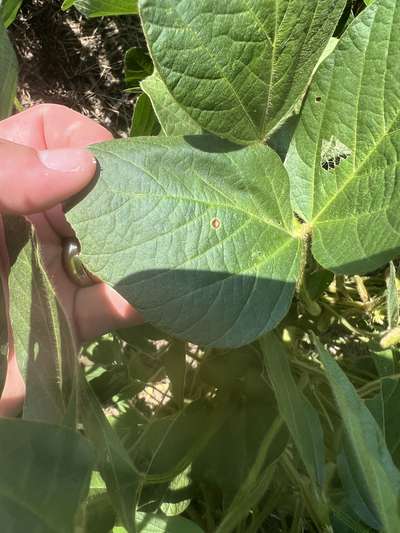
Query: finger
[
  {"x": 99, "y": 309},
  {"x": 13, "y": 395},
  {"x": 56, "y": 219},
  {"x": 51, "y": 126},
  {"x": 32, "y": 181}
]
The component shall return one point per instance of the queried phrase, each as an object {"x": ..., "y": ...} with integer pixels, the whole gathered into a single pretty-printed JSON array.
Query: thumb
[{"x": 32, "y": 181}]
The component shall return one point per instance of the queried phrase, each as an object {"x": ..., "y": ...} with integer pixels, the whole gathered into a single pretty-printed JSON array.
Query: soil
[{"x": 67, "y": 59}]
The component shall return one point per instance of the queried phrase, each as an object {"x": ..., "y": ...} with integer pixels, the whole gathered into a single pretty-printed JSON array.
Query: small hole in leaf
[
  {"x": 215, "y": 223},
  {"x": 318, "y": 98},
  {"x": 333, "y": 152}
]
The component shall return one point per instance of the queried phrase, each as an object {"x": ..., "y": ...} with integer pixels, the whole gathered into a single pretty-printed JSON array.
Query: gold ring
[{"x": 73, "y": 265}]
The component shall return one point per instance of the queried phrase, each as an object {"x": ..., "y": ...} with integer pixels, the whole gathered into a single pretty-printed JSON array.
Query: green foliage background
[{"x": 252, "y": 217}]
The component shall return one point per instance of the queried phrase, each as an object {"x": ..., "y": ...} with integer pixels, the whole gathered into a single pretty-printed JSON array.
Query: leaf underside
[{"x": 195, "y": 232}]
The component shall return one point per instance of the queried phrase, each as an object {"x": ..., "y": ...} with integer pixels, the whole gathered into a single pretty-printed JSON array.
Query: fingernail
[{"x": 65, "y": 159}]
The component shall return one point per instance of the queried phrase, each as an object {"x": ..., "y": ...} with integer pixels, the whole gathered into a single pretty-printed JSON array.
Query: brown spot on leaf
[{"x": 215, "y": 223}]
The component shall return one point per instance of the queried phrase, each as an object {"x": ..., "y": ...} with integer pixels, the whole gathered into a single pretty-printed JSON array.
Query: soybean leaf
[
  {"x": 44, "y": 476},
  {"x": 169, "y": 444},
  {"x": 102, "y": 8},
  {"x": 67, "y": 4},
  {"x": 230, "y": 454},
  {"x": 236, "y": 371},
  {"x": 238, "y": 67},
  {"x": 256, "y": 483},
  {"x": 8, "y": 76},
  {"x": 392, "y": 297},
  {"x": 385, "y": 407},
  {"x": 367, "y": 452},
  {"x": 356, "y": 497},
  {"x": 152, "y": 523},
  {"x": 123, "y": 481},
  {"x": 174, "y": 360},
  {"x": 9, "y": 10},
  {"x": 384, "y": 362},
  {"x": 300, "y": 416},
  {"x": 173, "y": 119},
  {"x": 281, "y": 137},
  {"x": 141, "y": 338},
  {"x": 196, "y": 232},
  {"x": 144, "y": 120},
  {"x": 343, "y": 157},
  {"x": 99, "y": 514},
  {"x": 177, "y": 497},
  {"x": 137, "y": 66},
  {"x": 43, "y": 342},
  {"x": 342, "y": 521}
]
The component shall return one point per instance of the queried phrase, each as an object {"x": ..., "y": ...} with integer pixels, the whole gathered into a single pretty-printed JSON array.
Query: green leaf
[
  {"x": 44, "y": 476},
  {"x": 230, "y": 454},
  {"x": 343, "y": 158},
  {"x": 9, "y": 72},
  {"x": 173, "y": 119},
  {"x": 103, "y": 8},
  {"x": 385, "y": 407},
  {"x": 330, "y": 47},
  {"x": 195, "y": 232},
  {"x": 384, "y": 362},
  {"x": 174, "y": 360},
  {"x": 9, "y": 10},
  {"x": 356, "y": 496},
  {"x": 281, "y": 137},
  {"x": 238, "y": 67},
  {"x": 169, "y": 444},
  {"x": 238, "y": 371},
  {"x": 317, "y": 281},
  {"x": 137, "y": 66},
  {"x": 123, "y": 481},
  {"x": 176, "y": 500},
  {"x": 99, "y": 514},
  {"x": 67, "y": 4},
  {"x": 342, "y": 522},
  {"x": 300, "y": 416},
  {"x": 152, "y": 523},
  {"x": 43, "y": 343},
  {"x": 368, "y": 452},
  {"x": 257, "y": 482},
  {"x": 144, "y": 120},
  {"x": 106, "y": 353},
  {"x": 392, "y": 297},
  {"x": 141, "y": 338}
]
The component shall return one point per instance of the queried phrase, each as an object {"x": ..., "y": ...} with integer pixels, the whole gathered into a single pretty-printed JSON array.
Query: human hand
[{"x": 43, "y": 163}]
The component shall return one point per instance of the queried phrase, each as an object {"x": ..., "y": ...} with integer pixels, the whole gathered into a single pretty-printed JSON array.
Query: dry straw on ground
[{"x": 67, "y": 59}]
